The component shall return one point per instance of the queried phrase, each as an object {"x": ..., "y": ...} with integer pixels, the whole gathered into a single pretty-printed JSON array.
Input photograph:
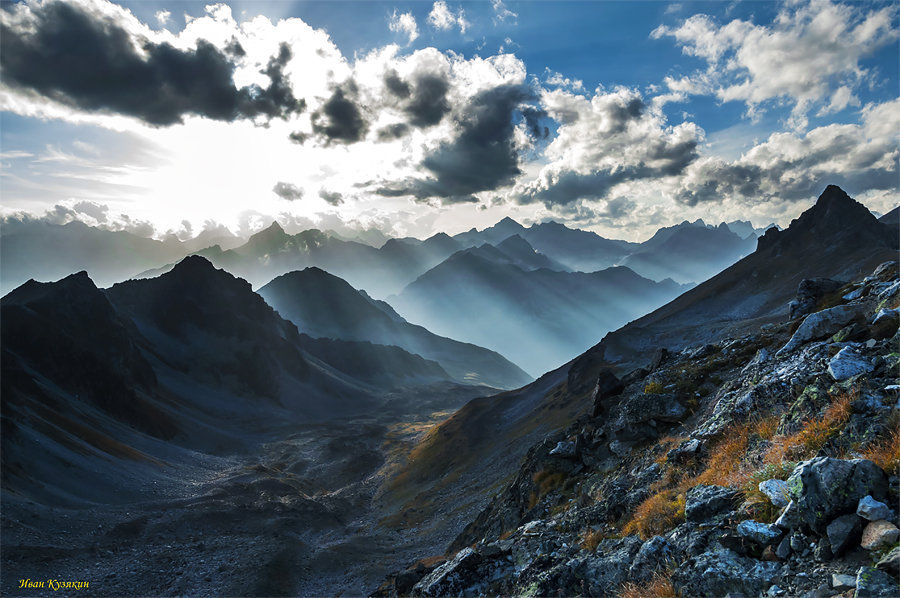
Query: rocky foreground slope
[{"x": 764, "y": 464}]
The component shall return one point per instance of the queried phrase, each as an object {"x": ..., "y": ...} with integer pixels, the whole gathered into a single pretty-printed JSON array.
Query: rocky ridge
[{"x": 762, "y": 465}]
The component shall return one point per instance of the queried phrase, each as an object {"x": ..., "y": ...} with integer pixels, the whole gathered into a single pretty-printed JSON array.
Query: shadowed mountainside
[{"x": 322, "y": 305}]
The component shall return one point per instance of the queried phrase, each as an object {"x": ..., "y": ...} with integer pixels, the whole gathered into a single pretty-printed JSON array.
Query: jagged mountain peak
[
  {"x": 834, "y": 214},
  {"x": 71, "y": 288}
]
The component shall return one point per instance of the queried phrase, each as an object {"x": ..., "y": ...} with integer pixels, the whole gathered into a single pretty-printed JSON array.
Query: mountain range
[
  {"x": 323, "y": 305},
  {"x": 381, "y": 266}
]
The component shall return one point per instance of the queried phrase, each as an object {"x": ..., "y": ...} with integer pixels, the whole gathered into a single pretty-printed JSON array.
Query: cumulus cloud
[
  {"x": 442, "y": 18},
  {"x": 287, "y": 191},
  {"x": 89, "y": 59},
  {"x": 340, "y": 119},
  {"x": 332, "y": 197},
  {"x": 791, "y": 166},
  {"x": 481, "y": 157},
  {"x": 608, "y": 139},
  {"x": 810, "y": 55},
  {"x": 162, "y": 16},
  {"x": 95, "y": 210},
  {"x": 405, "y": 24}
]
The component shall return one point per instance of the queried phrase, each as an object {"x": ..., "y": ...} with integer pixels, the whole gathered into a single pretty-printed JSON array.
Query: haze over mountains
[{"x": 33, "y": 248}]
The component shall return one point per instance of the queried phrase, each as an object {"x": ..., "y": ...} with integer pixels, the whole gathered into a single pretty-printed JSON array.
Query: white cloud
[
  {"x": 502, "y": 13},
  {"x": 162, "y": 17},
  {"x": 441, "y": 17},
  {"x": 789, "y": 166},
  {"x": 604, "y": 141},
  {"x": 810, "y": 53},
  {"x": 406, "y": 24}
]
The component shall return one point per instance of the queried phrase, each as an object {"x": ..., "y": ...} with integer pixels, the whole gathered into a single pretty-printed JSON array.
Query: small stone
[
  {"x": 879, "y": 533},
  {"x": 784, "y": 549},
  {"x": 797, "y": 543},
  {"x": 841, "y": 582},
  {"x": 873, "y": 510},
  {"x": 776, "y": 491},
  {"x": 844, "y": 533},
  {"x": 872, "y": 583},
  {"x": 774, "y": 591},
  {"x": 761, "y": 533},
  {"x": 703, "y": 502}
]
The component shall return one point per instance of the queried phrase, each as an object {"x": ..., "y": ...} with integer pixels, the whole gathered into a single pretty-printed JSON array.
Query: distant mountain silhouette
[
  {"x": 323, "y": 305},
  {"x": 689, "y": 252},
  {"x": 35, "y": 249},
  {"x": 538, "y": 318}
]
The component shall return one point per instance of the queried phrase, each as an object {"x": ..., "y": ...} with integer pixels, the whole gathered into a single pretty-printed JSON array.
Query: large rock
[
  {"x": 879, "y": 534},
  {"x": 703, "y": 502},
  {"x": 821, "y": 324},
  {"x": 872, "y": 583},
  {"x": 844, "y": 533},
  {"x": 608, "y": 385},
  {"x": 848, "y": 363},
  {"x": 824, "y": 488},
  {"x": 659, "y": 407},
  {"x": 451, "y": 577},
  {"x": 809, "y": 291},
  {"x": 656, "y": 553},
  {"x": 873, "y": 510},
  {"x": 776, "y": 491},
  {"x": 723, "y": 572},
  {"x": 608, "y": 567},
  {"x": 763, "y": 534}
]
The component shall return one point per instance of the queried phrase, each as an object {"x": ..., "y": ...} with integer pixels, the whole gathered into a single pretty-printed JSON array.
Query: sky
[{"x": 420, "y": 117}]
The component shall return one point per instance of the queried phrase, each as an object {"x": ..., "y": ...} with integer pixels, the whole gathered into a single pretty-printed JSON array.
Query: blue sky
[{"x": 619, "y": 117}]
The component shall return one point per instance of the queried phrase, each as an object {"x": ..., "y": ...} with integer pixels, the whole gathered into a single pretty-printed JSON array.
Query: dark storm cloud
[
  {"x": 481, "y": 157},
  {"x": 619, "y": 114},
  {"x": 423, "y": 100},
  {"x": 533, "y": 118},
  {"x": 332, "y": 197},
  {"x": 339, "y": 119},
  {"x": 428, "y": 103},
  {"x": 287, "y": 191},
  {"x": 396, "y": 85},
  {"x": 88, "y": 61}
]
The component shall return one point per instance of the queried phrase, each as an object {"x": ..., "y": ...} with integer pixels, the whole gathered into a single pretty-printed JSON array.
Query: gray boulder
[
  {"x": 761, "y": 533},
  {"x": 776, "y": 491},
  {"x": 608, "y": 567},
  {"x": 873, "y": 510},
  {"x": 703, "y": 502},
  {"x": 655, "y": 554},
  {"x": 848, "y": 363},
  {"x": 723, "y": 572},
  {"x": 659, "y": 407},
  {"x": 824, "y": 488},
  {"x": 821, "y": 324},
  {"x": 872, "y": 583},
  {"x": 809, "y": 291},
  {"x": 565, "y": 449},
  {"x": 451, "y": 578},
  {"x": 844, "y": 533}
]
